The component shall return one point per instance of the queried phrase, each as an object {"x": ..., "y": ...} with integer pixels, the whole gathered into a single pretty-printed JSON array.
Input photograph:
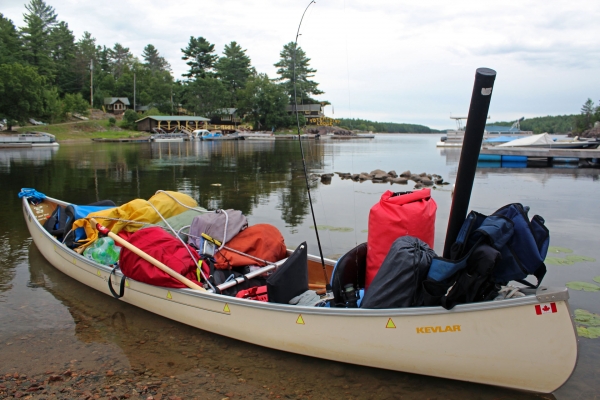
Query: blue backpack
[{"x": 515, "y": 246}]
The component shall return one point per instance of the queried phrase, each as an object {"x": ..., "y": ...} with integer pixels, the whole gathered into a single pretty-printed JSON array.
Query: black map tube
[{"x": 478, "y": 111}]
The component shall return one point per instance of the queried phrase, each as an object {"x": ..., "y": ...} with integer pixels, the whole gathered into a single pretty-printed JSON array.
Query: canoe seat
[{"x": 350, "y": 269}]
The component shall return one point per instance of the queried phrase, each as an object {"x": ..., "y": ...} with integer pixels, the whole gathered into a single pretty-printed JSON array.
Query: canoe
[{"x": 526, "y": 343}]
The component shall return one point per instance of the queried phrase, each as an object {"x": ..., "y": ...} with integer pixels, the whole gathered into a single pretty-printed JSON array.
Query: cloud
[{"x": 392, "y": 61}]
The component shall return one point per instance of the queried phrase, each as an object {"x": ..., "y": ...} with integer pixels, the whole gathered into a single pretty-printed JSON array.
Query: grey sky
[{"x": 380, "y": 60}]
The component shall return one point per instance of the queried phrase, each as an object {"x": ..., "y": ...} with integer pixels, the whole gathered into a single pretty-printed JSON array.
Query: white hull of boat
[
  {"x": 168, "y": 140},
  {"x": 219, "y": 138},
  {"x": 30, "y": 139},
  {"x": 258, "y": 137},
  {"x": 503, "y": 343}
]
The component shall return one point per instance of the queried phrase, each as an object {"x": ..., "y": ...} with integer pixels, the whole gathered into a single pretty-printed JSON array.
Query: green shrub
[
  {"x": 129, "y": 119},
  {"x": 152, "y": 112},
  {"x": 75, "y": 103},
  {"x": 112, "y": 121}
]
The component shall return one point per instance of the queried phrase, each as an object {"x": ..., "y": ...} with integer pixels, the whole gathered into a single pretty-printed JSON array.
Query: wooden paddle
[{"x": 123, "y": 243}]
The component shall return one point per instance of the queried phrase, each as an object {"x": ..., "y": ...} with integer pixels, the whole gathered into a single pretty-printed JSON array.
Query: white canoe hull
[{"x": 503, "y": 343}]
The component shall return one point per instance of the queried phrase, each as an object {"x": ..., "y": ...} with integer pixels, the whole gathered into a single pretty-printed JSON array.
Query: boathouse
[
  {"x": 309, "y": 110},
  {"x": 116, "y": 105},
  {"x": 170, "y": 122}
]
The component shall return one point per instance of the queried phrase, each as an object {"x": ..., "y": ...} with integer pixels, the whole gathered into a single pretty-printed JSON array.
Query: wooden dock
[
  {"x": 540, "y": 153},
  {"x": 122, "y": 140}
]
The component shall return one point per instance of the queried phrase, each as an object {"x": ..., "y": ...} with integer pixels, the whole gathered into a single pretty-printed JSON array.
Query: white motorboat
[{"x": 545, "y": 141}]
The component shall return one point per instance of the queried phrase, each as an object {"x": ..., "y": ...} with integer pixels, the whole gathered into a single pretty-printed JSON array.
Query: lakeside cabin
[
  {"x": 309, "y": 110},
  {"x": 226, "y": 120},
  {"x": 116, "y": 105},
  {"x": 170, "y": 122}
]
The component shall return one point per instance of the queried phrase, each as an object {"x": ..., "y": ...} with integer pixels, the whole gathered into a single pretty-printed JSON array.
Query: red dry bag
[
  {"x": 166, "y": 249},
  {"x": 398, "y": 214}
]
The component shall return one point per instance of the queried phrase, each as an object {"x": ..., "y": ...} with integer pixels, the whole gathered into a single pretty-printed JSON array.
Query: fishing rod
[{"x": 312, "y": 211}]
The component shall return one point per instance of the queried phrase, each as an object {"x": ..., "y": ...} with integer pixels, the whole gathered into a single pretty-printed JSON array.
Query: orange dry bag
[{"x": 398, "y": 214}]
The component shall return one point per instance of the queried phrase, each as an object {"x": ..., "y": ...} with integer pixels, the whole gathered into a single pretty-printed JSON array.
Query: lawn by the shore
[{"x": 84, "y": 130}]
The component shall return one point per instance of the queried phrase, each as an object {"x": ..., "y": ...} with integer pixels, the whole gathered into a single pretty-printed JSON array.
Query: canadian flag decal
[{"x": 546, "y": 308}]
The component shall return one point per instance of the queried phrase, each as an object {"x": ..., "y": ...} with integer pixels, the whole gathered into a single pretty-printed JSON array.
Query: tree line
[
  {"x": 383, "y": 127},
  {"x": 46, "y": 73},
  {"x": 574, "y": 123}
]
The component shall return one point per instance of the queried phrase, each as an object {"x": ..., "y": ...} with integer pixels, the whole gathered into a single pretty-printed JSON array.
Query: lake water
[{"x": 50, "y": 323}]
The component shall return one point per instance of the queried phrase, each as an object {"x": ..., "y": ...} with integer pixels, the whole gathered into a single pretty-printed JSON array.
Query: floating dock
[
  {"x": 122, "y": 140},
  {"x": 549, "y": 156}
]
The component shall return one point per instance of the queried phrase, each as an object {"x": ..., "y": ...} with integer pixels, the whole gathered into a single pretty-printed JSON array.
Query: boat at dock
[
  {"x": 492, "y": 135},
  {"x": 203, "y": 134},
  {"x": 350, "y": 137},
  {"x": 503, "y": 342},
  {"x": 545, "y": 141},
  {"x": 245, "y": 135},
  {"x": 28, "y": 139}
]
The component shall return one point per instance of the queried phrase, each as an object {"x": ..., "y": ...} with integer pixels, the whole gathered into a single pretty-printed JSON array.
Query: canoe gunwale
[
  {"x": 544, "y": 294},
  {"x": 426, "y": 340}
]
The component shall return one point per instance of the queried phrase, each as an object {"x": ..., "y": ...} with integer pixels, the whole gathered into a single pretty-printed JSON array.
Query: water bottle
[{"x": 103, "y": 251}]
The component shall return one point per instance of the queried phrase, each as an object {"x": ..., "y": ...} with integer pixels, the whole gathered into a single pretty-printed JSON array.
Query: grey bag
[
  {"x": 221, "y": 225},
  {"x": 398, "y": 282}
]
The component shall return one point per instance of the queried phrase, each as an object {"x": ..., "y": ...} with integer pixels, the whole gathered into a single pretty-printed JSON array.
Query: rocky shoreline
[{"x": 380, "y": 176}]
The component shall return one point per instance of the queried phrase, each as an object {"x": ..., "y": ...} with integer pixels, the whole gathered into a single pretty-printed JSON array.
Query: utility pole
[
  {"x": 134, "y": 109},
  {"x": 92, "y": 83}
]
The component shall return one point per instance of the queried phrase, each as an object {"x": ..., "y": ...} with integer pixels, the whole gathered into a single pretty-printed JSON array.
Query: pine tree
[
  {"x": 587, "y": 111},
  {"x": 120, "y": 58},
  {"x": 85, "y": 54},
  {"x": 10, "y": 43},
  {"x": 153, "y": 59},
  {"x": 199, "y": 56},
  {"x": 304, "y": 86},
  {"x": 39, "y": 20},
  {"x": 63, "y": 52},
  {"x": 234, "y": 67}
]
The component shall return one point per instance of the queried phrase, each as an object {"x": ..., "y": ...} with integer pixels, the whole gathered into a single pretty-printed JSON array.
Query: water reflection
[{"x": 25, "y": 155}]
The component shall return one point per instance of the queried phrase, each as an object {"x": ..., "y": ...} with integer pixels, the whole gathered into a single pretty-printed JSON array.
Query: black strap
[
  {"x": 122, "y": 288},
  {"x": 539, "y": 274}
]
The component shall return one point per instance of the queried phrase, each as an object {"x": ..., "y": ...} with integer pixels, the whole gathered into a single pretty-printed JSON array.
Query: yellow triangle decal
[
  {"x": 169, "y": 295},
  {"x": 126, "y": 282},
  {"x": 300, "y": 320},
  {"x": 98, "y": 272},
  {"x": 390, "y": 324},
  {"x": 226, "y": 308}
]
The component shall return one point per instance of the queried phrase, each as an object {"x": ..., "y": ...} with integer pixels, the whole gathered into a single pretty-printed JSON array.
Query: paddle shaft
[
  {"x": 123, "y": 243},
  {"x": 250, "y": 275},
  {"x": 478, "y": 111}
]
